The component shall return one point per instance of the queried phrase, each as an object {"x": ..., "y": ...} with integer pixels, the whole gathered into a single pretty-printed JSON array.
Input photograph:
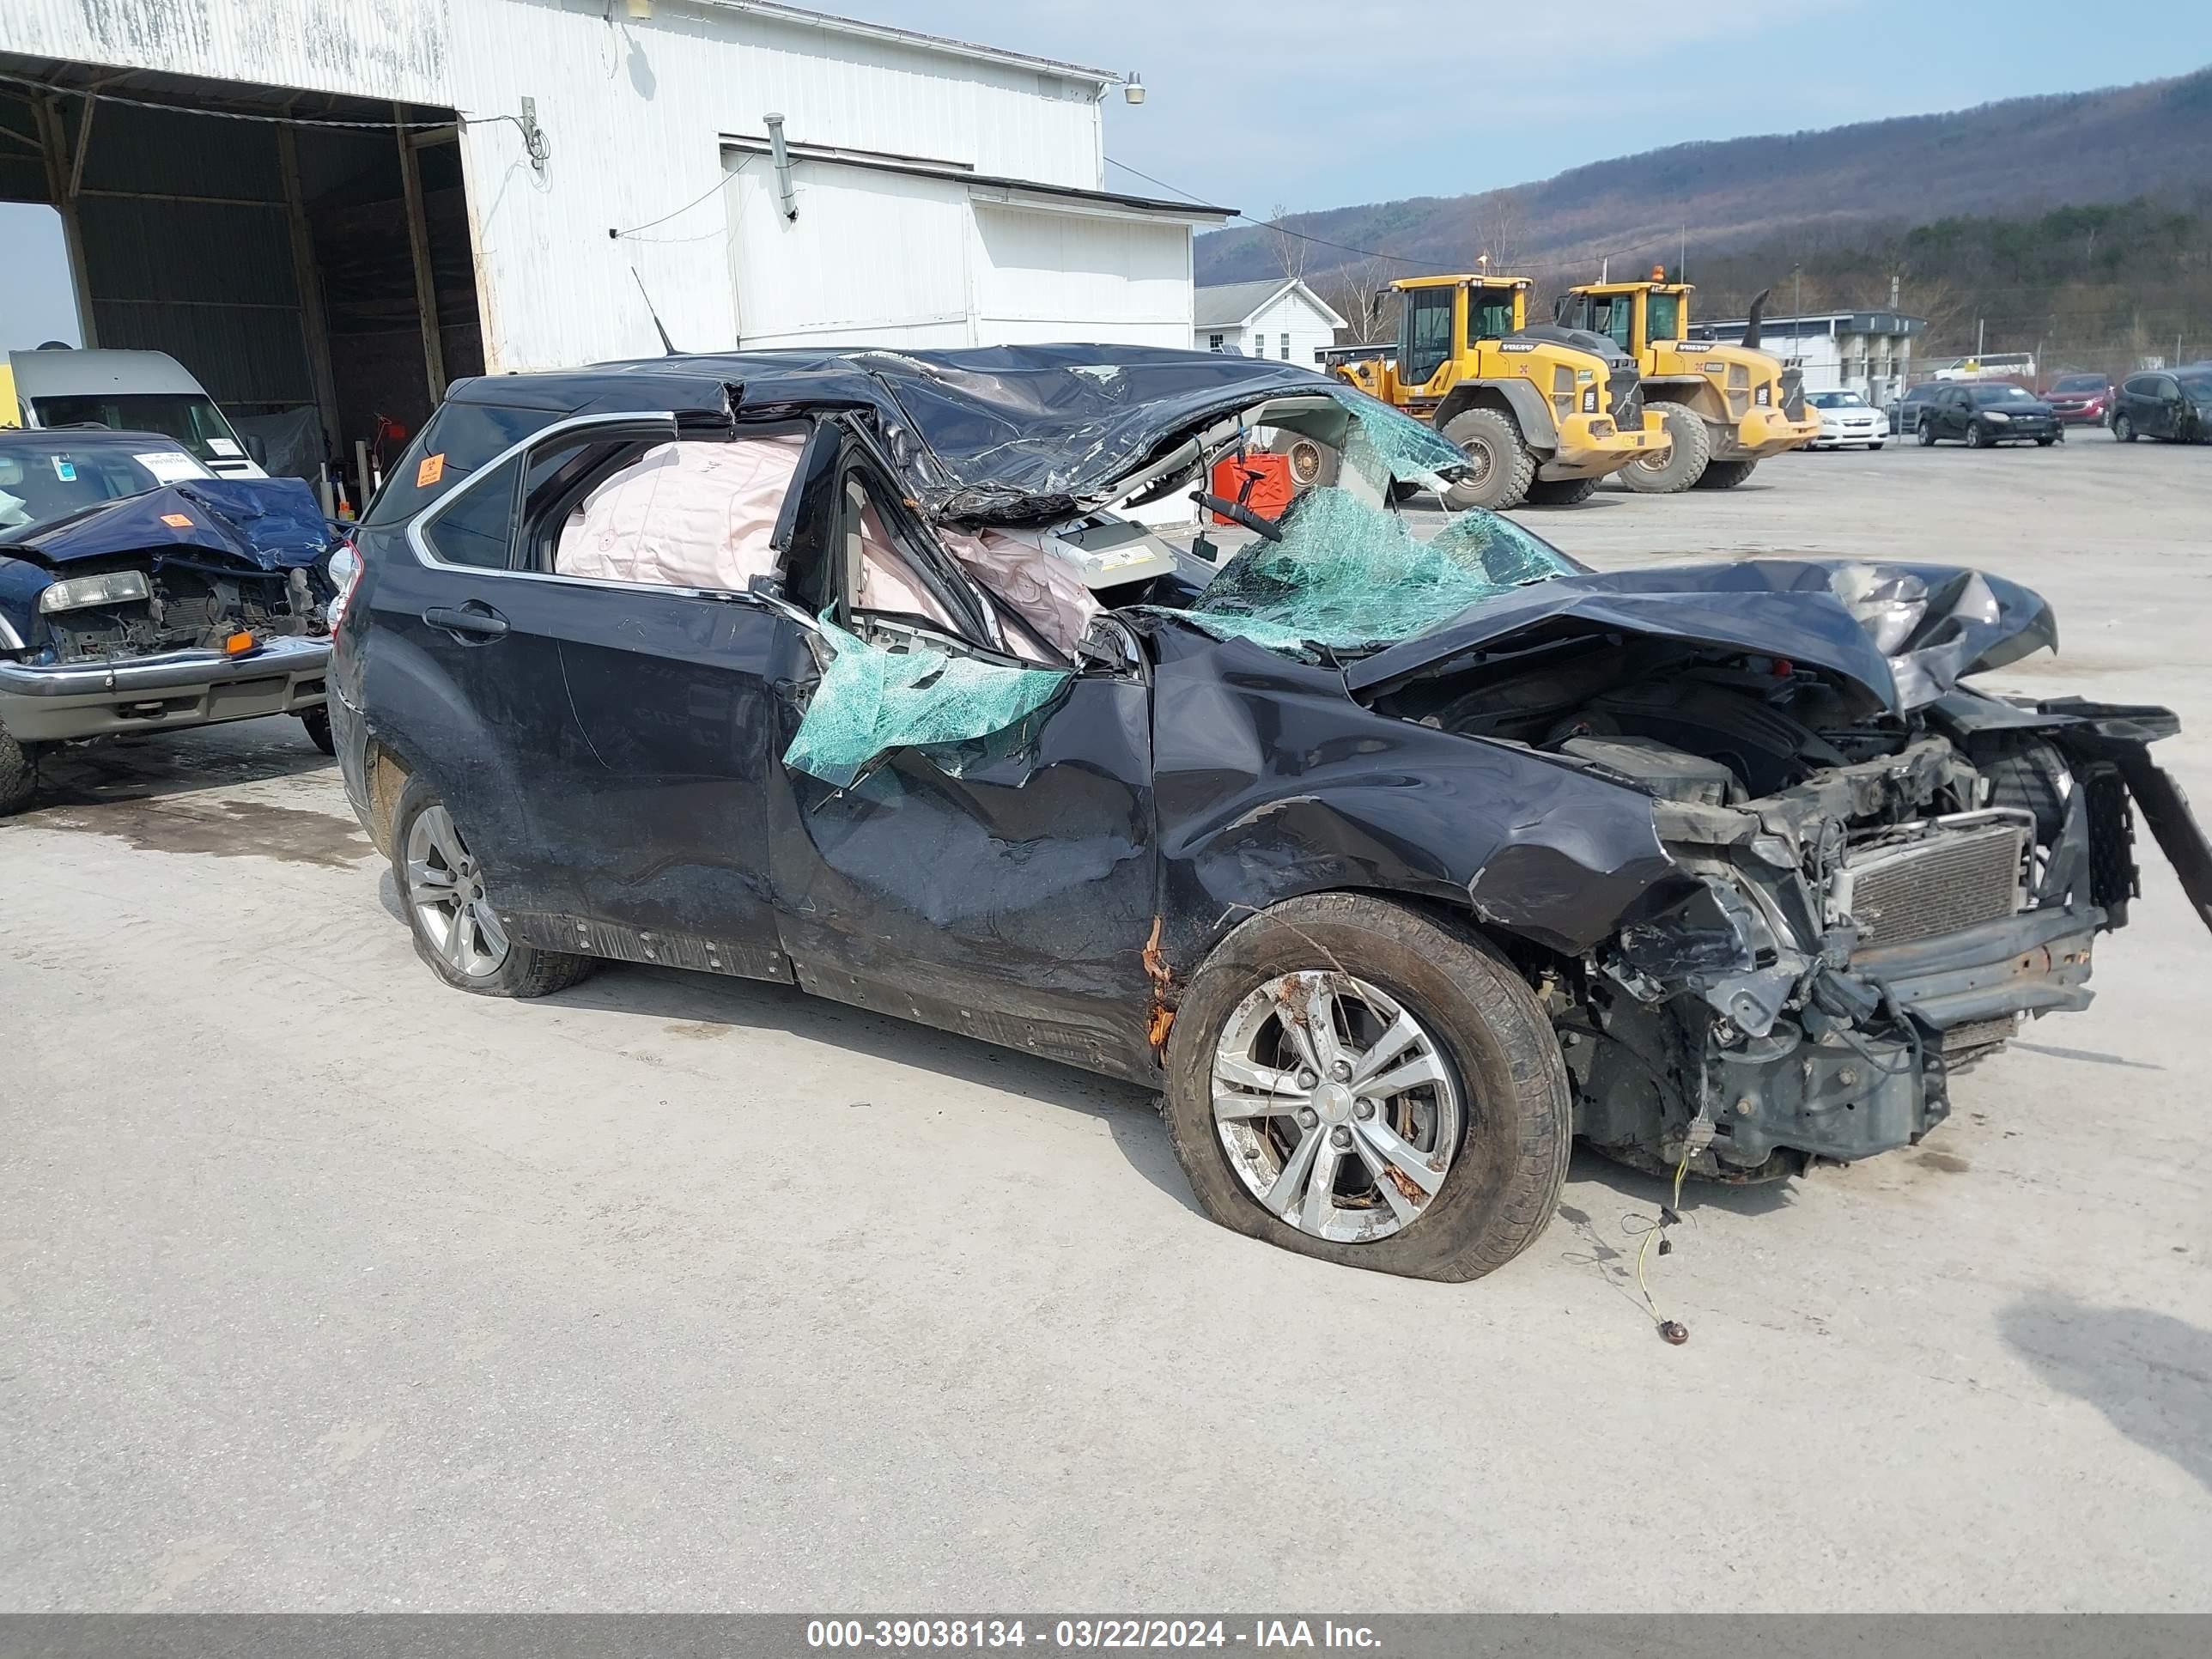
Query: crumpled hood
[
  {"x": 1905, "y": 632},
  {"x": 274, "y": 523}
]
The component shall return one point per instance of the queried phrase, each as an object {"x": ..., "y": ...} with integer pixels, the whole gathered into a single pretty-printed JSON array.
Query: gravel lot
[{"x": 323, "y": 1287}]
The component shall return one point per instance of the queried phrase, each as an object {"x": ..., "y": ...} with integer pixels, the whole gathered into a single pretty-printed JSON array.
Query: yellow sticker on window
[
  {"x": 176, "y": 521},
  {"x": 429, "y": 470}
]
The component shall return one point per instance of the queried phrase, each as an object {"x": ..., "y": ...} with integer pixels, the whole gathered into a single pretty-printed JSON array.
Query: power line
[{"x": 728, "y": 173}]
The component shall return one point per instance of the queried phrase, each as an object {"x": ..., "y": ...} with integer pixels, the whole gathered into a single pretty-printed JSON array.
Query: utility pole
[
  {"x": 1981, "y": 335},
  {"x": 1682, "y": 257},
  {"x": 1797, "y": 305}
]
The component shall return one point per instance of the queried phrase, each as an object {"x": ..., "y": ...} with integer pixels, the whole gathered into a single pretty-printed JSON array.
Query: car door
[
  {"x": 476, "y": 709},
  {"x": 1006, "y": 889},
  {"x": 636, "y": 545},
  {"x": 1958, "y": 413}
]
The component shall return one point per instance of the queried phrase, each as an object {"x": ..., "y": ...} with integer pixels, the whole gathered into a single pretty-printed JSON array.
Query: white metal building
[
  {"x": 1276, "y": 317},
  {"x": 435, "y": 187},
  {"x": 1870, "y": 352}
]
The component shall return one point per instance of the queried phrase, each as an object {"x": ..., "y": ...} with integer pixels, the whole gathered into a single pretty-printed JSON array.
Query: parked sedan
[
  {"x": 1905, "y": 411},
  {"x": 2080, "y": 399},
  {"x": 1847, "y": 421},
  {"x": 1983, "y": 413},
  {"x": 2177, "y": 408},
  {"x": 1395, "y": 864},
  {"x": 140, "y": 592}
]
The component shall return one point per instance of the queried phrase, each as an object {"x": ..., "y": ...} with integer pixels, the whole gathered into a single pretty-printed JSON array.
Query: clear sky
[{"x": 1320, "y": 103}]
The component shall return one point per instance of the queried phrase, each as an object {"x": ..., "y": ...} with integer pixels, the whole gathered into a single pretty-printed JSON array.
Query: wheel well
[
  {"x": 1533, "y": 962},
  {"x": 1463, "y": 399},
  {"x": 386, "y": 775}
]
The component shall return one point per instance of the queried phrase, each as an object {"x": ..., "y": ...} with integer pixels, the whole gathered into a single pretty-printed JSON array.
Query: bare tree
[
  {"x": 1359, "y": 292},
  {"x": 1291, "y": 251},
  {"x": 1500, "y": 223}
]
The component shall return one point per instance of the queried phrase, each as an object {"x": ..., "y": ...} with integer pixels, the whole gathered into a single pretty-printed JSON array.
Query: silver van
[{"x": 122, "y": 391}]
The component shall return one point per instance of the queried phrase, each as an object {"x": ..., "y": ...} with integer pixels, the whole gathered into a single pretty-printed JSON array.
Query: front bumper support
[{"x": 53, "y": 702}]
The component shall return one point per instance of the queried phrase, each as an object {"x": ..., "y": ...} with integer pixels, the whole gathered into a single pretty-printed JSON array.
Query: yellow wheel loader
[
  {"x": 1726, "y": 407},
  {"x": 1542, "y": 413}
]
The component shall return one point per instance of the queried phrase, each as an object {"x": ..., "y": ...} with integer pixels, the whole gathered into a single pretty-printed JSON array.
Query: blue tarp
[{"x": 275, "y": 523}]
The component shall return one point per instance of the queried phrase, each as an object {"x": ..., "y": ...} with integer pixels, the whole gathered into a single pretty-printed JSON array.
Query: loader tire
[
  {"x": 1685, "y": 464},
  {"x": 1561, "y": 492},
  {"x": 1503, "y": 466},
  {"x": 1725, "y": 474}
]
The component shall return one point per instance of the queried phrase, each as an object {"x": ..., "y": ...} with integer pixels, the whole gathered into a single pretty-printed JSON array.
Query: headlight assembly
[{"x": 116, "y": 588}]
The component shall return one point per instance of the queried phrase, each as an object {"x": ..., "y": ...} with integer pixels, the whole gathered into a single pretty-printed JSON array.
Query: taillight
[{"x": 344, "y": 569}]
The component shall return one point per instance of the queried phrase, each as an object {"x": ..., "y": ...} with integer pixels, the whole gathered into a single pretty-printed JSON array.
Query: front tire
[
  {"x": 1561, "y": 492},
  {"x": 19, "y": 774},
  {"x": 1368, "y": 1084},
  {"x": 1927, "y": 435},
  {"x": 2124, "y": 429},
  {"x": 1876, "y": 445},
  {"x": 1976, "y": 438},
  {"x": 1686, "y": 461},
  {"x": 1503, "y": 466},
  {"x": 317, "y": 721},
  {"x": 1725, "y": 474},
  {"x": 457, "y": 929}
]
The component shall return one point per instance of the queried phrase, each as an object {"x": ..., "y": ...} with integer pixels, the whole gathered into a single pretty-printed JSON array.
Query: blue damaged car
[{"x": 139, "y": 592}]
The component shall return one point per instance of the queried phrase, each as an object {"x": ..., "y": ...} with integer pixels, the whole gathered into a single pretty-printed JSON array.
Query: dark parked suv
[
  {"x": 1985, "y": 412},
  {"x": 1395, "y": 864},
  {"x": 2177, "y": 407}
]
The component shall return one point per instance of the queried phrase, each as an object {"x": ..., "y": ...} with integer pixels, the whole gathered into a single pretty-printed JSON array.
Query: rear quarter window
[{"x": 455, "y": 443}]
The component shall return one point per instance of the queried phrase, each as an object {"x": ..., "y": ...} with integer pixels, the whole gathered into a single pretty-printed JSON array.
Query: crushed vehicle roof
[{"x": 989, "y": 433}]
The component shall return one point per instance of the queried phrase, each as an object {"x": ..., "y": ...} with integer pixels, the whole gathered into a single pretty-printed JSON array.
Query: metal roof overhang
[{"x": 992, "y": 188}]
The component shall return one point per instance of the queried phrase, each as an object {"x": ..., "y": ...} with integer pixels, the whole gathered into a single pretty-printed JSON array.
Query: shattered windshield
[
  {"x": 1351, "y": 577},
  {"x": 1349, "y": 574}
]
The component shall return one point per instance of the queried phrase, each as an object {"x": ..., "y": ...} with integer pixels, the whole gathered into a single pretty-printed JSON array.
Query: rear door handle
[{"x": 481, "y": 620}]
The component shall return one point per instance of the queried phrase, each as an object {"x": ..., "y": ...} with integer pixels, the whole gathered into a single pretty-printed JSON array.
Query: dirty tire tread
[
  {"x": 1686, "y": 463},
  {"x": 19, "y": 774},
  {"x": 1503, "y": 1185},
  {"x": 528, "y": 971},
  {"x": 1513, "y": 469},
  {"x": 1725, "y": 474},
  {"x": 1561, "y": 492}
]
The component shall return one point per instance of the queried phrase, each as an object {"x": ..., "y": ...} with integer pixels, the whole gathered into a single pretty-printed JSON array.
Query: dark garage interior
[{"x": 305, "y": 256}]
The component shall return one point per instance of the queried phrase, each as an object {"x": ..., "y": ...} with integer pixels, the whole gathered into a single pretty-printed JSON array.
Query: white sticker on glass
[{"x": 171, "y": 466}]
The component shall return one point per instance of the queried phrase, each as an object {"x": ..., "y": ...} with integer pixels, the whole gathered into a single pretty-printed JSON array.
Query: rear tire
[
  {"x": 1725, "y": 474},
  {"x": 1503, "y": 463},
  {"x": 1561, "y": 492},
  {"x": 2044, "y": 443},
  {"x": 1686, "y": 462},
  {"x": 1477, "y": 1027},
  {"x": 19, "y": 774},
  {"x": 456, "y": 930},
  {"x": 317, "y": 721}
]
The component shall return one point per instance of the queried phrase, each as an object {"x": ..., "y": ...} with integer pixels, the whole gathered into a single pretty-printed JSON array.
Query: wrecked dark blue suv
[{"x": 1396, "y": 865}]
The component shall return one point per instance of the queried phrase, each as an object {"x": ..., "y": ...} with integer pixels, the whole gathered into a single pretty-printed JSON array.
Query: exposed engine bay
[
  {"x": 1872, "y": 899},
  {"x": 192, "y": 604}
]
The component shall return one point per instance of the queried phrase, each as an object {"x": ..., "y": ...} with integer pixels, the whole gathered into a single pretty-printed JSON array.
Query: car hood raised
[
  {"x": 1905, "y": 633},
  {"x": 274, "y": 523}
]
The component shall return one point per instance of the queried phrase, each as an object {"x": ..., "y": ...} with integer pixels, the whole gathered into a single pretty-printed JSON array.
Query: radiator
[{"x": 1943, "y": 883}]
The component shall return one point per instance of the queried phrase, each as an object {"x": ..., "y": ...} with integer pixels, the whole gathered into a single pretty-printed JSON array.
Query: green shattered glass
[
  {"x": 871, "y": 700},
  {"x": 1347, "y": 575},
  {"x": 1387, "y": 442}
]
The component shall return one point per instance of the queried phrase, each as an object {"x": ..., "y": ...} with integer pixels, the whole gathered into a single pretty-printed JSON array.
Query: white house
[
  {"x": 1280, "y": 317},
  {"x": 344, "y": 204},
  {"x": 1870, "y": 352}
]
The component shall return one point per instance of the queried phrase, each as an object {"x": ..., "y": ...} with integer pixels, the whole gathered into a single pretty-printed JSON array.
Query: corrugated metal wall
[
  {"x": 209, "y": 282},
  {"x": 634, "y": 112}
]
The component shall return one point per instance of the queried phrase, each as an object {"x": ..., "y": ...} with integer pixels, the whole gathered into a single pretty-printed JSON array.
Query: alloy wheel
[
  {"x": 446, "y": 891},
  {"x": 1337, "y": 1109}
]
